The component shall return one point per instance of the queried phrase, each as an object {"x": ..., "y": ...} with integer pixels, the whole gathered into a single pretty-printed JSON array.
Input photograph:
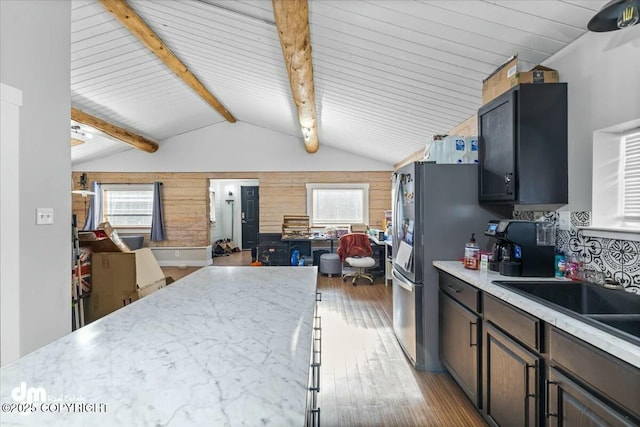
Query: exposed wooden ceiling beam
[
  {"x": 130, "y": 19},
  {"x": 292, "y": 21},
  {"x": 117, "y": 132},
  {"x": 75, "y": 141}
]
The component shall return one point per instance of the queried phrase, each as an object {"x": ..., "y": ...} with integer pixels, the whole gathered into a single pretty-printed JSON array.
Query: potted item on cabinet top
[{"x": 522, "y": 146}]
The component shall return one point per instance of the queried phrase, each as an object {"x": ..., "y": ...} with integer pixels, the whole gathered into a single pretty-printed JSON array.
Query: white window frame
[
  {"x": 631, "y": 178},
  {"x": 608, "y": 219},
  {"x": 311, "y": 187},
  {"x": 125, "y": 187}
]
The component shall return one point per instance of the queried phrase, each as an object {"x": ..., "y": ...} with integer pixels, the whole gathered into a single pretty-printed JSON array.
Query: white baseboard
[{"x": 183, "y": 256}]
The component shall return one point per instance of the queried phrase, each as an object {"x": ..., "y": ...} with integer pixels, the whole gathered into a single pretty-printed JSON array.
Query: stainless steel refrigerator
[{"x": 435, "y": 210}]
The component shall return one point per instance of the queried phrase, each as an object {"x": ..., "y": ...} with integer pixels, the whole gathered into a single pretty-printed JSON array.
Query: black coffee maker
[{"x": 522, "y": 248}]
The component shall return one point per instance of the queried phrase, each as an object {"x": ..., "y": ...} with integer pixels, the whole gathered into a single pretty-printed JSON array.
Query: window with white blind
[
  {"x": 631, "y": 177},
  {"x": 127, "y": 205},
  {"x": 616, "y": 183},
  {"x": 337, "y": 204}
]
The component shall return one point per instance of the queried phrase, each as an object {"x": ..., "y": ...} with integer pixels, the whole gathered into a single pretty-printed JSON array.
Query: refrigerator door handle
[
  {"x": 395, "y": 220},
  {"x": 402, "y": 281}
]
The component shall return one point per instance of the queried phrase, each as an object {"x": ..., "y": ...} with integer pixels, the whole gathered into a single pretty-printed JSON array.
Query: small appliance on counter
[{"x": 522, "y": 248}]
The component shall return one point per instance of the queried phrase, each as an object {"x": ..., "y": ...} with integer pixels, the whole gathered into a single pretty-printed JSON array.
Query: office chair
[{"x": 355, "y": 250}]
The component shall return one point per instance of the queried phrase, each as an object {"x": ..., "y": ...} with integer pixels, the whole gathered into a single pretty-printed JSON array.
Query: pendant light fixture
[
  {"x": 84, "y": 191},
  {"x": 615, "y": 15}
]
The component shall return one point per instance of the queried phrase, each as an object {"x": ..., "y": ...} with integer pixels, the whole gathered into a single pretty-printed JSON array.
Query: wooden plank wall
[{"x": 186, "y": 198}]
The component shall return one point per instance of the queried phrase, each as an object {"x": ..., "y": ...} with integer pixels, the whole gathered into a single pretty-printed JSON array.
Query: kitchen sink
[
  {"x": 612, "y": 310},
  {"x": 628, "y": 323},
  {"x": 580, "y": 297}
]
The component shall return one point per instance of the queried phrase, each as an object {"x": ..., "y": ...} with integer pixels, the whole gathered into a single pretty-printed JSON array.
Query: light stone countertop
[
  {"x": 224, "y": 346},
  {"x": 611, "y": 344}
]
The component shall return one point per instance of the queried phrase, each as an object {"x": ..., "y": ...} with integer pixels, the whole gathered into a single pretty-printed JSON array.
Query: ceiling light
[
  {"x": 77, "y": 131},
  {"x": 615, "y": 15},
  {"x": 306, "y": 133}
]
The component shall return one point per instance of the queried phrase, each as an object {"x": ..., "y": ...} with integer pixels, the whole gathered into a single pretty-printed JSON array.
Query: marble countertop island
[
  {"x": 609, "y": 343},
  {"x": 224, "y": 346}
]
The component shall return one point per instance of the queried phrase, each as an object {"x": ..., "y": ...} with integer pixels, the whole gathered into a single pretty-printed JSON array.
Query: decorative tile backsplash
[{"x": 618, "y": 259}]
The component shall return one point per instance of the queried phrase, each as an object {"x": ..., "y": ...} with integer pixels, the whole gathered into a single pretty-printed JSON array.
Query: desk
[
  {"x": 388, "y": 263},
  {"x": 291, "y": 240}
]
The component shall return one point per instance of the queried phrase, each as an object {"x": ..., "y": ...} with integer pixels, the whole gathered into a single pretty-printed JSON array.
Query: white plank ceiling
[{"x": 388, "y": 74}]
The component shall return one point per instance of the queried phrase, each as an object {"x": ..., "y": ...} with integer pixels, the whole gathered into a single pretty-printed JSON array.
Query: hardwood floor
[
  {"x": 366, "y": 379},
  {"x": 234, "y": 259}
]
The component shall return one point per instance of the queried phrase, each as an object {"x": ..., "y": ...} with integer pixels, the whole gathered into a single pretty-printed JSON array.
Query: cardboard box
[
  {"x": 149, "y": 275},
  {"x": 358, "y": 228},
  {"x": 99, "y": 244},
  {"x": 113, "y": 283},
  {"x": 104, "y": 239},
  {"x": 119, "y": 278},
  {"x": 509, "y": 75}
]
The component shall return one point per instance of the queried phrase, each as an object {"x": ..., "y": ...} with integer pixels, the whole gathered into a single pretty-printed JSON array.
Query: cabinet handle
[
  {"x": 315, "y": 382},
  {"x": 526, "y": 380},
  {"x": 317, "y": 350},
  {"x": 508, "y": 176},
  {"x": 317, "y": 340},
  {"x": 527, "y": 394},
  {"x": 471, "y": 343},
  {"x": 315, "y": 422},
  {"x": 318, "y": 296},
  {"x": 547, "y": 403},
  {"x": 457, "y": 291}
]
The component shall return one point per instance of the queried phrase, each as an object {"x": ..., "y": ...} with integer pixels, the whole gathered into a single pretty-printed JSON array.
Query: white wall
[
  {"x": 35, "y": 58},
  {"x": 10, "y": 103},
  {"x": 603, "y": 75},
  {"x": 227, "y": 147}
]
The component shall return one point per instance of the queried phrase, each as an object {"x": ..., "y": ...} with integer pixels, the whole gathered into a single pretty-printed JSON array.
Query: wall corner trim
[{"x": 10, "y": 94}]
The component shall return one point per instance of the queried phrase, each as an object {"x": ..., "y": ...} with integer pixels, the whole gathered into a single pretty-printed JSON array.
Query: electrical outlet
[
  {"x": 44, "y": 216},
  {"x": 177, "y": 254},
  {"x": 564, "y": 220}
]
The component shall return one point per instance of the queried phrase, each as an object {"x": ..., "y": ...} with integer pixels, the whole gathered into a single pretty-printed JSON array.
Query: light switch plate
[
  {"x": 564, "y": 220},
  {"x": 44, "y": 216}
]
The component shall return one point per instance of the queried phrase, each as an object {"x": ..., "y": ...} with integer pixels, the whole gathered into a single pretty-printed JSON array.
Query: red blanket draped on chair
[{"x": 354, "y": 244}]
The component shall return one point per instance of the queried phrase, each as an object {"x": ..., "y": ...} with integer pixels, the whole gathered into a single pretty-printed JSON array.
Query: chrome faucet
[
  {"x": 598, "y": 278},
  {"x": 611, "y": 283}
]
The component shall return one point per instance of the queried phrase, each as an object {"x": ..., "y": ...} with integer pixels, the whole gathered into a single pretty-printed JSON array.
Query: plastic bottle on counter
[
  {"x": 437, "y": 149},
  {"x": 560, "y": 265},
  {"x": 453, "y": 150},
  {"x": 460, "y": 150},
  {"x": 472, "y": 254},
  {"x": 575, "y": 267},
  {"x": 471, "y": 153}
]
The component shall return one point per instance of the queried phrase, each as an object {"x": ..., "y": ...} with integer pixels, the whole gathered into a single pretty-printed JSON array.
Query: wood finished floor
[{"x": 366, "y": 379}]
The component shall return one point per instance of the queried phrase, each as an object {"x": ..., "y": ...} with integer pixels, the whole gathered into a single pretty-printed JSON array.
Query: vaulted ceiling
[{"x": 388, "y": 74}]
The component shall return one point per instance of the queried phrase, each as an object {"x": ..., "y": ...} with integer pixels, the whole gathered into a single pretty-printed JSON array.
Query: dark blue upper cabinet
[{"x": 522, "y": 146}]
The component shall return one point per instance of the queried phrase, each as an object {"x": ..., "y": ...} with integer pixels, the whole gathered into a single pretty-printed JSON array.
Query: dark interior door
[{"x": 250, "y": 214}]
